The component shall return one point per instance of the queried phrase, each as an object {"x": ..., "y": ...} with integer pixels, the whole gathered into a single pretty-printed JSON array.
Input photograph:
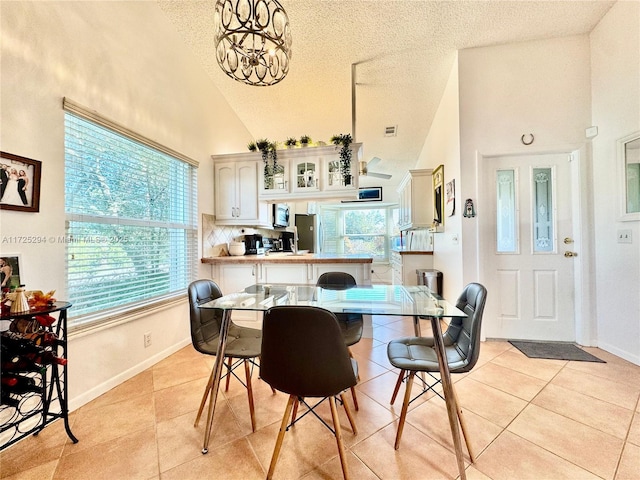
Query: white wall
[
  {"x": 125, "y": 61},
  {"x": 442, "y": 147},
  {"x": 615, "y": 79},
  {"x": 538, "y": 87}
]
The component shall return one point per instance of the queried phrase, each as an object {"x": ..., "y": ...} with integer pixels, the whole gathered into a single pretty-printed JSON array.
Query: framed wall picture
[
  {"x": 438, "y": 196},
  {"x": 19, "y": 183},
  {"x": 450, "y": 205},
  {"x": 10, "y": 270}
]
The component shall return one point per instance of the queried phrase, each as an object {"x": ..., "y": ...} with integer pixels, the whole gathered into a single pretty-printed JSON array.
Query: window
[
  {"x": 131, "y": 212},
  {"x": 356, "y": 230}
]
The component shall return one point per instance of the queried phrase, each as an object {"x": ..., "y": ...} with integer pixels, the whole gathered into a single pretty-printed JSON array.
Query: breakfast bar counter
[{"x": 288, "y": 258}]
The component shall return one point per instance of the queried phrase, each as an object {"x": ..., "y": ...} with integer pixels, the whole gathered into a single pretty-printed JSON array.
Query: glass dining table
[{"x": 385, "y": 300}]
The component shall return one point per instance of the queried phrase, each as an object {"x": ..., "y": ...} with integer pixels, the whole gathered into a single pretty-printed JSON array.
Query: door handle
[
  {"x": 568, "y": 240},
  {"x": 570, "y": 254}
]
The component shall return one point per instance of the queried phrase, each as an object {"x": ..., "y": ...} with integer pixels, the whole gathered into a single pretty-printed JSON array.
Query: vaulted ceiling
[{"x": 403, "y": 51}]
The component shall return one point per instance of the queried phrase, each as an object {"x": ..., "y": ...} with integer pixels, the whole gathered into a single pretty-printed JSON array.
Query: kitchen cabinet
[
  {"x": 236, "y": 194},
  {"x": 360, "y": 271},
  {"x": 415, "y": 198},
  {"x": 244, "y": 186},
  {"x": 306, "y": 175},
  {"x": 234, "y": 277},
  {"x": 314, "y": 174},
  {"x": 279, "y": 273},
  {"x": 274, "y": 181},
  {"x": 405, "y": 263}
]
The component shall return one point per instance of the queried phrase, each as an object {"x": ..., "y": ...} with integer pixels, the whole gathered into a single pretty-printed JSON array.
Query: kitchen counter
[
  {"x": 403, "y": 251},
  {"x": 288, "y": 258}
]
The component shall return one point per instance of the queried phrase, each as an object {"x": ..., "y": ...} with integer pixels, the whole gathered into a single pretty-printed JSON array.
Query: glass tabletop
[{"x": 363, "y": 299}]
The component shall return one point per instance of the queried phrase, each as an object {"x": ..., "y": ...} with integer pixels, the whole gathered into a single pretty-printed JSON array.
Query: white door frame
[{"x": 582, "y": 212}]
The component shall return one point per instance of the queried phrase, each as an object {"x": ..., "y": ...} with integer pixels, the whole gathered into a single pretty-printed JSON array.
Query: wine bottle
[
  {"x": 16, "y": 363},
  {"x": 39, "y": 338},
  {"x": 5, "y": 399},
  {"x": 18, "y": 345},
  {"x": 19, "y": 384},
  {"x": 45, "y": 358}
]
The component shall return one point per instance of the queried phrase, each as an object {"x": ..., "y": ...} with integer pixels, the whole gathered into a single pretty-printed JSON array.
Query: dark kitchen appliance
[
  {"x": 253, "y": 244},
  {"x": 287, "y": 241},
  {"x": 280, "y": 215},
  {"x": 306, "y": 232}
]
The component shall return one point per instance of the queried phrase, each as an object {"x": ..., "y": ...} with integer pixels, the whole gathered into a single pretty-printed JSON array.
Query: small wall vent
[{"x": 391, "y": 131}]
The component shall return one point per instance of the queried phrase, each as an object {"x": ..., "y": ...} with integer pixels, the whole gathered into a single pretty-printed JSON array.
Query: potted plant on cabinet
[
  {"x": 291, "y": 142},
  {"x": 305, "y": 140},
  {"x": 344, "y": 142}
]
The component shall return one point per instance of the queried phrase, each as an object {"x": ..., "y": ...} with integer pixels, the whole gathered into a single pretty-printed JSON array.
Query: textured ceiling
[{"x": 404, "y": 51}]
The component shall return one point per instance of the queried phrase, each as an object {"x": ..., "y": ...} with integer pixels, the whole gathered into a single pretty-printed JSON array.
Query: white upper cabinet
[
  {"x": 244, "y": 184},
  {"x": 306, "y": 175},
  {"x": 274, "y": 181},
  {"x": 314, "y": 173},
  {"x": 236, "y": 194},
  {"x": 415, "y": 196}
]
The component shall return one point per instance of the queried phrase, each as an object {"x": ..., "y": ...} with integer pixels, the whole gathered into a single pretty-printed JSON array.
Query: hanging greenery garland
[{"x": 345, "y": 141}]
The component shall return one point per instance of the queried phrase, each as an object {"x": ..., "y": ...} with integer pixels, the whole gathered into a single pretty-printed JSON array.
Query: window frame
[
  {"x": 185, "y": 228},
  {"x": 341, "y": 231}
]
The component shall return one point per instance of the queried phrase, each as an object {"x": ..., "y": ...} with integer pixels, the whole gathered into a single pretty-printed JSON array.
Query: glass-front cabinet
[
  {"x": 311, "y": 173},
  {"x": 274, "y": 179},
  {"x": 306, "y": 172}
]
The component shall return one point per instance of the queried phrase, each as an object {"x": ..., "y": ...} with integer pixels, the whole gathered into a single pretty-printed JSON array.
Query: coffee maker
[
  {"x": 253, "y": 244},
  {"x": 288, "y": 241}
]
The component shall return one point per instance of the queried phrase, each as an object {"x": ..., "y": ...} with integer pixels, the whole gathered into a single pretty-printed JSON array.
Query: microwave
[{"x": 280, "y": 215}]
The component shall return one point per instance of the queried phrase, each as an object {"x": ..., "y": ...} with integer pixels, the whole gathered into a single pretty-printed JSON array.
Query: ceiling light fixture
[{"x": 253, "y": 40}]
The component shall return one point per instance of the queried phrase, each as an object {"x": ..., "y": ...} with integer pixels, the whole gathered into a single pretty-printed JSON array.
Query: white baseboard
[
  {"x": 104, "y": 387},
  {"x": 635, "y": 359}
]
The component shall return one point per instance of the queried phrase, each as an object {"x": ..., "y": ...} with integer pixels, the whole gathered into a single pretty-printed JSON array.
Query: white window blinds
[{"x": 131, "y": 215}]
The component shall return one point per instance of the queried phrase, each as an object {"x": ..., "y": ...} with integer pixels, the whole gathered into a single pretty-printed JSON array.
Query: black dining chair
[
  {"x": 243, "y": 344},
  {"x": 304, "y": 355},
  {"x": 462, "y": 348},
  {"x": 351, "y": 324}
]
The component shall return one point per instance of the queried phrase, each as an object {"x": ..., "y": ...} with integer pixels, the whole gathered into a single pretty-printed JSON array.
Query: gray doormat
[{"x": 555, "y": 351}]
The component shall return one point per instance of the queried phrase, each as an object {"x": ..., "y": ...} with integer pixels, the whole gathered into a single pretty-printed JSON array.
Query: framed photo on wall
[
  {"x": 438, "y": 196},
  {"x": 10, "y": 270},
  {"x": 19, "y": 183}
]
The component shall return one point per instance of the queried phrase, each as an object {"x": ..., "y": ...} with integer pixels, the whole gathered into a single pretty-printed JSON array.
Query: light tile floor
[{"x": 537, "y": 419}]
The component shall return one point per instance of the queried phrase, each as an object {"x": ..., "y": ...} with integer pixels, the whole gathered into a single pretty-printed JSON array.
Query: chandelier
[{"x": 253, "y": 40}]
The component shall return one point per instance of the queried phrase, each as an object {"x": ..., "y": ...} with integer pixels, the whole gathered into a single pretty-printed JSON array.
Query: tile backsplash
[{"x": 216, "y": 237}]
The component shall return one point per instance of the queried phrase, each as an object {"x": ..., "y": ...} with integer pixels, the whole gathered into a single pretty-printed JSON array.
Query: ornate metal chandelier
[{"x": 253, "y": 40}]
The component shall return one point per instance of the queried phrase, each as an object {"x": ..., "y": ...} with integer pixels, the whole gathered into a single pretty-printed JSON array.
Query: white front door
[{"x": 527, "y": 247}]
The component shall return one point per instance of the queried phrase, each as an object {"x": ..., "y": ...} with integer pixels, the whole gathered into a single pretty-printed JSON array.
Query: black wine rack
[{"x": 45, "y": 401}]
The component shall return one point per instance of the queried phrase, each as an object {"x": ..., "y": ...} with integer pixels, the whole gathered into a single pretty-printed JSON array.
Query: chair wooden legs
[
  {"x": 397, "y": 387},
  {"x": 292, "y": 404},
  {"x": 283, "y": 429},
  {"x": 347, "y": 410},
  {"x": 229, "y": 364},
  {"x": 355, "y": 398},
  {"x": 353, "y": 389},
  {"x": 336, "y": 427},
  {"x": 405, "y": 407},
  {"x": 207, "y": 390},
  {"x": 252, "y": 412}
]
